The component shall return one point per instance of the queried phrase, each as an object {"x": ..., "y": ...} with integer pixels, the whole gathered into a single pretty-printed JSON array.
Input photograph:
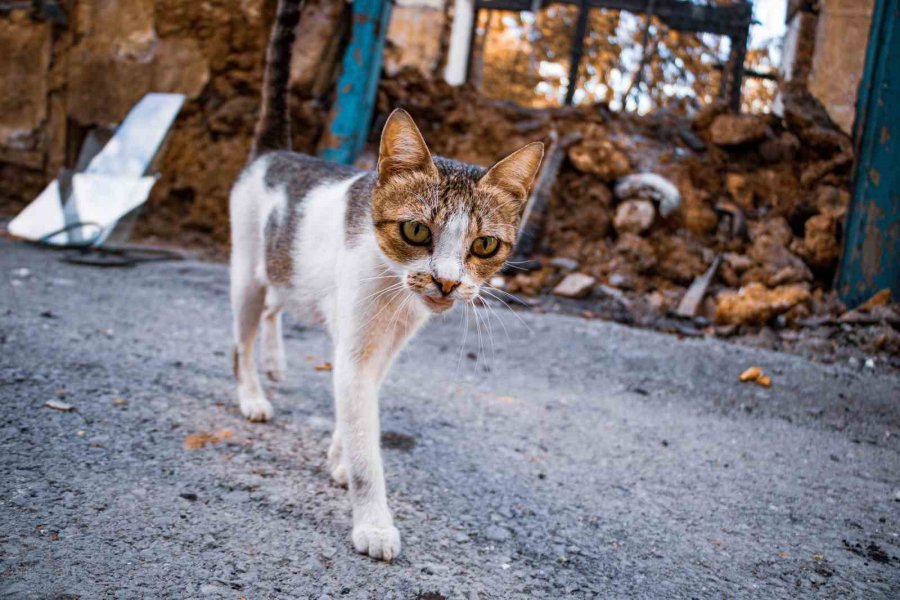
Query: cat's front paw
[
  {"x": 382, "y": 543},
  {"x": 256, "y": 408}
]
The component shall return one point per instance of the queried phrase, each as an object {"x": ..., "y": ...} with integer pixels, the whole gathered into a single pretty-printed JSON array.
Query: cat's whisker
[
  {"x": 528, "y": 327},
  {"x": 490, "y": 334},
  {"x": 387, "y": 303},
  {"x": 513, "y": 266},
  {"x": 462, "y": 346},
  {"x": 380, "y": 292},
  {"x": 497, "y": 316},
  {"x": 397, "y": 313},
  {"x": 478, "y": 331}
]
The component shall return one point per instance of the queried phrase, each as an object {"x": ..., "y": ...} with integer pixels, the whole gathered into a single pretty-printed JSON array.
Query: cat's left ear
[{"x": 515, "y": 173}]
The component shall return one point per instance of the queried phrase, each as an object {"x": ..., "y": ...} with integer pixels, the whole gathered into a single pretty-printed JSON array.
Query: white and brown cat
[{"x": 370, "y": 253}]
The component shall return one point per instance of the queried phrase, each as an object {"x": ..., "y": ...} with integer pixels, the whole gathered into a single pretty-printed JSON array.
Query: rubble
[
  {"x": 733, "y": 130},
  {"x": 575, "y": 285},
  {"x": 634, "y": 216},
  {"x": 757, "y": 304}
]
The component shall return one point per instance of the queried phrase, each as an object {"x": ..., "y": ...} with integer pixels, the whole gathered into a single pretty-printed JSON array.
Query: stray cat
[{"x": 371, "y": 254}]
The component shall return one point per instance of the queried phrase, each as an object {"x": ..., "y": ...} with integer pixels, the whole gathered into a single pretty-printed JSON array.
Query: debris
[
  {"x": 880, "y": 298},
  {"x": 694, "y": 296},
  {"x": 751, "y": 374},
  {"x": 196, "y": 441},
  {"x": 737, "y": 222},
  {"x": 649, "y": 186},
  {"x": 59, "y": 405},
  {"x": 597, "y": 154},
  {"x": 566, "y": 264},
  {"x": 732, "y": 130},
  {"x": 326, "y": 366},
  {"x": 575, "y": 285},
  {"x": 634, "y": 216},
  {"x": 757, "y": 304},
  {"x": 755, "y": 375}
]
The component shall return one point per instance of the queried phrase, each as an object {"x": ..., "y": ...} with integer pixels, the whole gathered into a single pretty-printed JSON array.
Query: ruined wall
[
  {"x": 842, "y": 34},
  {"x": 59, "y": 80},
  {"x": 825, "y": 50}
]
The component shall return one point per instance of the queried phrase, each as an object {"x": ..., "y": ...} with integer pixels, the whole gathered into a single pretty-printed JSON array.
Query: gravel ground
[{"x": 574, "y": 459}]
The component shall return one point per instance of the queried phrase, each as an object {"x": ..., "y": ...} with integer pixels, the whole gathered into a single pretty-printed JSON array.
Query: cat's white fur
[{"x": 359, "y": 294}]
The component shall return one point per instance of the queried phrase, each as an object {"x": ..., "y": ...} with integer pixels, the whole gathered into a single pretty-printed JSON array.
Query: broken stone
[
  {"x": 738, "y": 262},
  {"x": 575, "y": 285},
  {"x": 566, "y": 264},
  {"x": 677, "y": 261},
  {"x": 598, "y": 155},
  {"x": 622, "y": 281},
  {"x": 739, "y": 189},
  {"x": 634, "y": 216},
  {"x": 817, "y": 170},
  {"x": 775, "y": 229},
  {"x": 780, "y": 149},
  {"x": 830, "y": 199},
  {"x": 757, "y": 304},
  {"x": 733, "y": 130},
  {"x": 633, "y": 252},
  {"x": 820, "y": 246}
]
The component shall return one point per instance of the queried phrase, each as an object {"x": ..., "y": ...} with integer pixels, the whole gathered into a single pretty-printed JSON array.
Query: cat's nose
[{"x": 445, "y": 285}]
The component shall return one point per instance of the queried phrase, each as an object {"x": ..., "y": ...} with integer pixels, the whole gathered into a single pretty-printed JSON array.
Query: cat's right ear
[{"x": 403, "y": 150}]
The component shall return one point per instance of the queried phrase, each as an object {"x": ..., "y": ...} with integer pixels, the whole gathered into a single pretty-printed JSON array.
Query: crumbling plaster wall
[
  {"x": 825, "y": 50},
  {"x": 842, "y": 35},
  {"x": 60, "y": 80}
]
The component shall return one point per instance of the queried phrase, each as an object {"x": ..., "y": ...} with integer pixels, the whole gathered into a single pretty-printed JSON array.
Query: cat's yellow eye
[
  {"x": 415, "y": 233},
  {"x": 486, "y": 246}
]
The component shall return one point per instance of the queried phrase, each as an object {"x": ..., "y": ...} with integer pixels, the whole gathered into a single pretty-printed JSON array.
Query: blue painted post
[
  {"x": 871, "y": 255},
  {"x": 351, "y": 115}
]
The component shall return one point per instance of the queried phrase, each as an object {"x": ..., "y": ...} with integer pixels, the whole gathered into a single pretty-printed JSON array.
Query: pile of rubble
[{"x": 754, "y": 201}]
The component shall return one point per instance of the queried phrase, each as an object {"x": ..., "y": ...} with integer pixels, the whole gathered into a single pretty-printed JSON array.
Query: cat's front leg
[{"x": 356, "y": 388}]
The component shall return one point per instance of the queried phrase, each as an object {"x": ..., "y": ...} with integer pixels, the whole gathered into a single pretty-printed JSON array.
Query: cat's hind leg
[
  {"x": 336, "y": 465},
  {"x": 272, "y": 339},
  {"x": 247, "y": 301}
]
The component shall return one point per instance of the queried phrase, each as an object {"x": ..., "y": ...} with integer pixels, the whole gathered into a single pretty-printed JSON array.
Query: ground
[{"x": 579, "y": 458}]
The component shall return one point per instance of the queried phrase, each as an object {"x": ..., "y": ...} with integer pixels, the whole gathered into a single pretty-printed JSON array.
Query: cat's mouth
[{"x": 437, "y": 305}]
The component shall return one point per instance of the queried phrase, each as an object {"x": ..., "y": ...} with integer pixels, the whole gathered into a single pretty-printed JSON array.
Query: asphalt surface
[{"x": 577, "y": 459}]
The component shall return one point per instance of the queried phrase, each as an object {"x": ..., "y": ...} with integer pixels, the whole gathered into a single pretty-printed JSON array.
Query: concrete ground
[{"x": 576, "y": 459}]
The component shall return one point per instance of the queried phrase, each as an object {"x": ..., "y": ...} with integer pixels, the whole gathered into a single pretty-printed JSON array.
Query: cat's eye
[
  {"x": 415, "y": 233},
  {"x": 486, "y": 246}
]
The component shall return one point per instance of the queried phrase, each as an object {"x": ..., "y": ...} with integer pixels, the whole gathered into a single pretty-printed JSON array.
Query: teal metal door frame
[
  {"x": 871, "y": 254},
  {"x": 351, "y": 115}
]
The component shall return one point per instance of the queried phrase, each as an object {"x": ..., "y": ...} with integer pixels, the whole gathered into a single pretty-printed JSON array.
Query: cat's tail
[{"x": 273, "y": 130}]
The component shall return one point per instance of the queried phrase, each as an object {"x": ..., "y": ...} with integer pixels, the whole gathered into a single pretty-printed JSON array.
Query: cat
[{"x": 370, "y": 253}]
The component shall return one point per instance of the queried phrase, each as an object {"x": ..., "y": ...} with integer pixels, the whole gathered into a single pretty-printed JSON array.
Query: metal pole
[
  {"x": 351, "y": 115},
  {"x": 577, "y": 49}
]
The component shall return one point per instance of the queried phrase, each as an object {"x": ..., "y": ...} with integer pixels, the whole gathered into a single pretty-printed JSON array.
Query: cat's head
[{"x": 446, "y": 227}]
